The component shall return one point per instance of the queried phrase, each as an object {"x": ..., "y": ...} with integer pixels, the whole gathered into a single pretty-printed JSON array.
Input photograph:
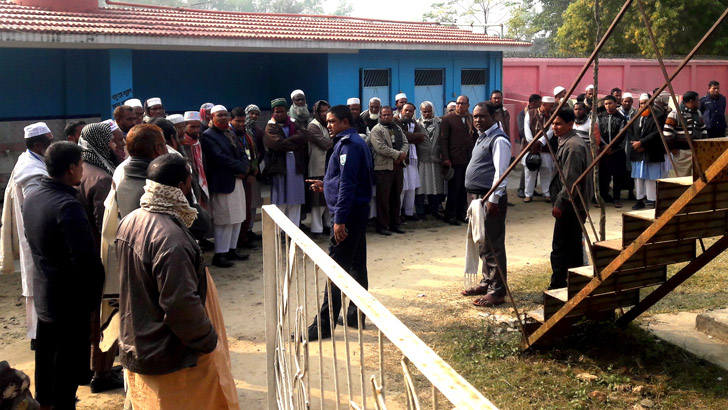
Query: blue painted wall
[
  {"x": 53, "y": 83},
  {"x": 344, "y": 70},
  {"x": 186, "y": 80},
  {"x": 57, "y": 83}
]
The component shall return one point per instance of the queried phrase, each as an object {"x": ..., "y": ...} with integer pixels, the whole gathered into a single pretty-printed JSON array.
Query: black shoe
[
  {"x": 252, "y": 236},
  {"x": 509, "y": 203},
  {"x": 520, "y": 193},
  {"x": 313, "y": 333},
  {"x": 221, "y": 261},
  {"x": 235, "y": 255},
  {"x": 249, "y": 245},
  {"x": 452, "y": 222},
  {"x": 537, "y": 193},
  {"x": 413, "y": 218},
  {"x": 650, "y": 204},
  {"x": 327, "y": 231},
  {"x": 112, "y": 381},
  {"x": 639, "y": 205},
  {"x": 396, "y": 229},
  {"x": 384, "y": 232}
]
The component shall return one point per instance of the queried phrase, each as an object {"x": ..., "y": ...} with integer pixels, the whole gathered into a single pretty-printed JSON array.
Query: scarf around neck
[
  {"x": 95, "y": 140},
  {"x": 398, "y": 135},
  {"x": 165, "y": 199}
]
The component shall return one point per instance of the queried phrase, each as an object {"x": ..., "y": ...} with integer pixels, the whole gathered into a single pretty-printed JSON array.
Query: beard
[
  {"x": 250, "y": 122},
  {"x": 301, "y": 112},
  {"x": 406, "y": 120},
  {"x": 374, "y": 116}
]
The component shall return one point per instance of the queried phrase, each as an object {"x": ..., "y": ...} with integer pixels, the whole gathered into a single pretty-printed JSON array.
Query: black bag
[{"x": 533, "y": 161}]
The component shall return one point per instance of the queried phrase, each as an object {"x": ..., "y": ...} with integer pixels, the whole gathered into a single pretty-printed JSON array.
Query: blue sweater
[{"x": 349, "y": 176}]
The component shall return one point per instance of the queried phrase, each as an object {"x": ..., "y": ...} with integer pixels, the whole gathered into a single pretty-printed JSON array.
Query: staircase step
[
  {"x": 536, "y": 315},
  {"x": 656, "y": 254},
  {"x": 690, "y": 226},
  {"x": 555, "y": 299},
  {"x": 714, "y": 324},
  {"x": 712, "y": 197},
  {"x": 707, "y": 152},
  {"x": 619, "y": 281}
]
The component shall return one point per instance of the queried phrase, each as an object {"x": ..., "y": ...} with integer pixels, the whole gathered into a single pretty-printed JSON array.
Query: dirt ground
[{"x": 424, "y": 265}]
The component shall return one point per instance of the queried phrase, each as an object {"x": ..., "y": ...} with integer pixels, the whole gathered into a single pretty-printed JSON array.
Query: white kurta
[{"x": 27, "y": 173}]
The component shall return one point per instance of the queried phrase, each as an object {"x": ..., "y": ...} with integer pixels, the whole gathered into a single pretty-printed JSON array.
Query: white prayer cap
[
  {"x": 206, "y": 106},
  {"x": 548, "y": 99},
  {"x": 297, "y": 92},
  {"x": 176, "y": 118},
  {"x": 451, "y": 104},
  {"x": 34, "y": 130},
  {"x": 400, "y": 96},
  {"x": 154, "y": 101},
  {"x": 112, "y": 124},
  {"x": 371, "y": 100},
  {"x": 134, "y": 102},
  {"x": 558, "y": 89},
  {"x": 589, "y": 87},
  {"x": 353, "y": 100},
  {"x": 644, "y": 97},
  {"x": 192, "y": 116},
  {"x": 626, "y": 95},
  {"x": 217, "y": 108}
]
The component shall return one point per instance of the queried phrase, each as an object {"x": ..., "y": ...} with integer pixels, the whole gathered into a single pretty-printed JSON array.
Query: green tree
[{"x": 678, "y": 26}]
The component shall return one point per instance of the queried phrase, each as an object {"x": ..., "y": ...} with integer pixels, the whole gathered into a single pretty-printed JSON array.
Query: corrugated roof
[{"x": 160, "y": 22}]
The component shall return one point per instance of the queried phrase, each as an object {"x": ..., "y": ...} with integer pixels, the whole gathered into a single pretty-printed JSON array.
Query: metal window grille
[
  {"x": 428, "y": 77},
  {"x": 473, "y": 76},
  {"x": 375, "y": 78}
]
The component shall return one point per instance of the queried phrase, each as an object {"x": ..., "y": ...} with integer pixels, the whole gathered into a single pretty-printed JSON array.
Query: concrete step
[{"x": 714, "y": 323}]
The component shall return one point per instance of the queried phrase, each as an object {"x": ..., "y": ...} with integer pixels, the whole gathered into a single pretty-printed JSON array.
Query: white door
[
  {"x": 374, "y": 83},
  {"x": 429, "y": 86},
  {"x": 472, "y": 85}
]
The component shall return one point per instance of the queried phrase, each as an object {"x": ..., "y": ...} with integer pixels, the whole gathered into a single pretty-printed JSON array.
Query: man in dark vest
[
  {"x": 490, "y": 160},
  {"x": 613, "y": 166}
]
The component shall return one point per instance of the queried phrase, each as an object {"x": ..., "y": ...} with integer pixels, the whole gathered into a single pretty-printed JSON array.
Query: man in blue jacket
[
  {"x": 713, "y": 108},
  {"x": 347, "y": 187}
]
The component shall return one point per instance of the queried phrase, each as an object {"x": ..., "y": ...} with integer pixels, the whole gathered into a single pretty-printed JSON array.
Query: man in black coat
[
  {"x": 226, "y": 169},
  {"x": 69, "y": 280}
]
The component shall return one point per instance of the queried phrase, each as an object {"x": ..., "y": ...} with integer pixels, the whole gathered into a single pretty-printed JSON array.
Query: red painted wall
[{"x": 525, "y": 76}]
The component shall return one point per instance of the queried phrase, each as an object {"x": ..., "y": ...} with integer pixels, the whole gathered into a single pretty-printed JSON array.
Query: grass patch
[{"x": 603, "y": 367}]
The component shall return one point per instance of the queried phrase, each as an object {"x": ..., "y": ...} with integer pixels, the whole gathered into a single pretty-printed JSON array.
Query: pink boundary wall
[{"x": 525, "y": 76}]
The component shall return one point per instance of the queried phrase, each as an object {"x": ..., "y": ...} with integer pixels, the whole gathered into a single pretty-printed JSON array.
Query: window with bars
[
  {"x": 473, "y": 76},
  {"x": 375, "y": 78},
  {"x": 429, "y": 77}
]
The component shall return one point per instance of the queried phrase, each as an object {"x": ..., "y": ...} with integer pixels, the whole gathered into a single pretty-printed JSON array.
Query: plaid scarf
[
  {"x": 95, "y": 140},
  {"x": 165, "y": 199},
  {"x": 196, "y": 150}
]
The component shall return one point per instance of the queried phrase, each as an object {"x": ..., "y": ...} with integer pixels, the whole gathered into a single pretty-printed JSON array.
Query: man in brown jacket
[
  {"x": 318, "y": 144},
  {"x": 456, "y": 136},
  {"x": 168, "y": 342}
]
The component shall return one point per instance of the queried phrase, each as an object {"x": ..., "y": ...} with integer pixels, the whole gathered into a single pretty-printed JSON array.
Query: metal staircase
[{"x": 686, "y": 211}]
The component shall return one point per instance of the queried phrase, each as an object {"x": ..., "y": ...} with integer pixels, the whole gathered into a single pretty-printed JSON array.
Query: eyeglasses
[{"x": 462, "y": 103}]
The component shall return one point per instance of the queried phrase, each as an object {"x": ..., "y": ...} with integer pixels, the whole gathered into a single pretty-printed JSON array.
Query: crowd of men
[{"x": 126, "y": 206}]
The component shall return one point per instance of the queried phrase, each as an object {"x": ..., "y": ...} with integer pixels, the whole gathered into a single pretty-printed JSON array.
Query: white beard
[{"x": 373, "y": 116}]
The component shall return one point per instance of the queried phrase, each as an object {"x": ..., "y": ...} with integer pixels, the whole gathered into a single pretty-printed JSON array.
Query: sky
[{"x": 408, "y": 10}]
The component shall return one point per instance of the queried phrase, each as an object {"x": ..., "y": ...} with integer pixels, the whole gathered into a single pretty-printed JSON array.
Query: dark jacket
[
  {"x": 70, "y": 276},
  {"x": 456, "y": 138},
  {"x": 277, "y": 145},
  {"x": 94, "y": 188},
  {"x": 645, "y": 131},
  {"x": 349, "y": 176},
  {"x": 223, "y": 161},
  {"x": 573, "y": 156},
  {"x": 131, "y": 186},
  {"x": 713, "y": 112},
  {"x": 164, "y": 327}
]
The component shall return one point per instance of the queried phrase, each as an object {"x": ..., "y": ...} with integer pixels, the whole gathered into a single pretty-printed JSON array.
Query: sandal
[{"x": 475, "y": 290}]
